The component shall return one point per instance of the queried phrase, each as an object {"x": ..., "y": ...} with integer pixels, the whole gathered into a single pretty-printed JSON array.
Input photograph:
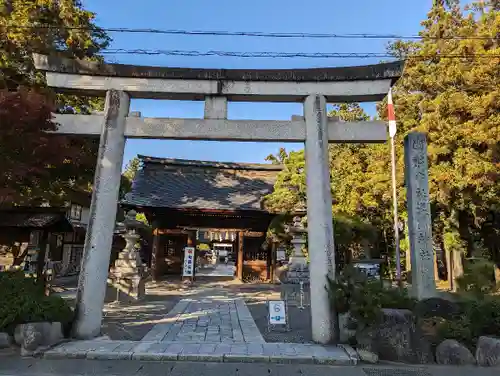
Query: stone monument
[
  {"x": 128, "y": 274},
  {"x": 419, "y": 216},
  {"x": 296, "y": 280}
]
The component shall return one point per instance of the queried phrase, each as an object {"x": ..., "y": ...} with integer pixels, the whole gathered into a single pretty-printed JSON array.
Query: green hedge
[
  {"x": 22, "y": 300},
  {"x": 364, "y": 298},
  {"x": 477, "y": 317}
]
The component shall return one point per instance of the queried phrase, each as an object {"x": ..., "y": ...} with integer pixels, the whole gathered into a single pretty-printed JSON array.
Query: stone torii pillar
[
  {"x": 319, "y": 217},
  {"x": 97, "y": 249}
]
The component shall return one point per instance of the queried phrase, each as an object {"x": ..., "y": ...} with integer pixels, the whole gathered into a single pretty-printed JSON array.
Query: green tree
[
  {"x": 128, "y": 175},
  {"x": 353, "y": 232},
  {"x": 127, "y": 179},
  {"x": 456, "y": 102},
  {"x": 51, "y": 27},
  {"x": 450, "y": 90}
]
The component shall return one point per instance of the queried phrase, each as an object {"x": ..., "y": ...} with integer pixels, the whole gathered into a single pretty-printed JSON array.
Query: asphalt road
[
  {"x": 79, "y": 367},
  {"x": 13, "y": 365}
]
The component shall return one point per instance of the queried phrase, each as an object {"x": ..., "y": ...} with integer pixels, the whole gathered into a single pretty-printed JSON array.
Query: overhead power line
[
  {"x": 343, "y": 55},
  {"x": 254, "y": 33}
]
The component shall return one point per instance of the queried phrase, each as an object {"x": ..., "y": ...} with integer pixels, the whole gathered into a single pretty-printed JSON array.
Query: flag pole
[
  {"x": 396, "y": 219},
  {"x": 392, "y": 133}
]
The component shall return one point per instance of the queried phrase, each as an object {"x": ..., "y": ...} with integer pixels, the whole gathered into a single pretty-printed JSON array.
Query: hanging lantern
[{"x": 233, "y": 236}]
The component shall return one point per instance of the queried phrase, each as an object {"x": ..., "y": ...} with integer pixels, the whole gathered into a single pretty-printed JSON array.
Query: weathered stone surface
[
  {"x": 452, "y": 352},
  {"x": 391, "y": 339},
  {"x": 320, "y": 226},
  {"x": 488, "y": 352},
  {"x": 424, "y": 335},
  {"x": 5, "y": 340},
  {"x": 240, "y": 353},
  {"x": 367, "y": 356},
  {"x": 419, "y": 215},
  {"x": 32, "y": 336},
  {"x": 345, "y": 333}
]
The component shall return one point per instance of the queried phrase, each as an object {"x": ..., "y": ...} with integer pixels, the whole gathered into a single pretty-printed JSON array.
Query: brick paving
[{"x": 207, "y": 321}]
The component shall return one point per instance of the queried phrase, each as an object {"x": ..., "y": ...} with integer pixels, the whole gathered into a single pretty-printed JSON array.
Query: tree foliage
[
  {"x": 353, "y": 234},
  {"x": 50, "y": 27},
  {"x": 456, "y": 102},
  {"x": 128, "y": 176}
]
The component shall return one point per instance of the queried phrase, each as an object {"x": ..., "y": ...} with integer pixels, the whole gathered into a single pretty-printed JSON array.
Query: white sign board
[
  {"x": 187, "y": 270},
  {"x": 277, "y": 313}
]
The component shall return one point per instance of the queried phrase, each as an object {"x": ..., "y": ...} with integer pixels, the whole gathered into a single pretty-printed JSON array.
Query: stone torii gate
[{"x": 118, "y": 83}]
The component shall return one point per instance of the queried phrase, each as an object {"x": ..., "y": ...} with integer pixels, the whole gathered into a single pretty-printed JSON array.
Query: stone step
[{"x": 206, "y": 352}]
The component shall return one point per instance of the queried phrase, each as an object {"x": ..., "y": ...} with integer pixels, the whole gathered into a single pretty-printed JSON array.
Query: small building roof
[
  {"x": 52, "y": 219},
  {"x": 201, "y": 185}
]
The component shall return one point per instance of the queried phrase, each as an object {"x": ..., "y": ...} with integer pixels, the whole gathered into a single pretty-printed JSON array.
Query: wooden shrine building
[{"x": 189, "y": 203}]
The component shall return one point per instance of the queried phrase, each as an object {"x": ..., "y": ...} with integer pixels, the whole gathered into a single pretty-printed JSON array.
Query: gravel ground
[
  {"x": 300, "y": 324},
  {"x": 127, "y": 321},
  {"x": 133, "y": 321}
]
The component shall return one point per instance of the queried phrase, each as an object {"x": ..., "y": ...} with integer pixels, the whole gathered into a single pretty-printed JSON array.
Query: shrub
[
  {"x": 478, "y": 317},
  {"x": 457, "y": 328},
  {"x": 478, "y": 278},
  {"x": 22, "y": 300},
  {"x": 364, "y": 298}
]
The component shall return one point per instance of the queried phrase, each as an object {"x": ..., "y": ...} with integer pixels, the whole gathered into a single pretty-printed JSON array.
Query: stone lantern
[
  {"x": 297, "y": 231},
  {"x": 128, "y": 274},
  {"x": 295, "y": 281}
]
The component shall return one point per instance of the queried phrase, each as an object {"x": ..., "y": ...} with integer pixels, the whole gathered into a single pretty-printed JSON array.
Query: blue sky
[{"x": 401, "y": 17}]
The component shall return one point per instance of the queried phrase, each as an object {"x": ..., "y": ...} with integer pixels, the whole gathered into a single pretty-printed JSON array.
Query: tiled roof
[
  {"x": 188, "y": 184},
  {"x": 36, "y": 218}
]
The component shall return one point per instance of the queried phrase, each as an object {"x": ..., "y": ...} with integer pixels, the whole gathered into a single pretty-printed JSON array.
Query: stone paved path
[
  {"x": 208, "y": 325},
  {"x": 283, "y": 353},
  {"x": 207, "y": 321}
]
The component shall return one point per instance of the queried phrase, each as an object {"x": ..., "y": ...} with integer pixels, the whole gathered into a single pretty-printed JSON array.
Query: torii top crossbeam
[{"x": 339, "y": 84}]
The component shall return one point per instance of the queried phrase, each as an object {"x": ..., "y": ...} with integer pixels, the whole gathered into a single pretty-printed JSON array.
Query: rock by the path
[
  {"x": 346, "y": 332},
  {"x": 367, "y": 356},
  {"x": 392, "y": 338},
  {"x": 452, "y": 352},
  {"x": 33, "y": 336},
  {"x": 488, "y": 352},
  {"x": 5, "y": 340}
]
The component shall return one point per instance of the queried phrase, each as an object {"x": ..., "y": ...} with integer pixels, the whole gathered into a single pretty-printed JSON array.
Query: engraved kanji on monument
[{"x": 419, "y": 215}]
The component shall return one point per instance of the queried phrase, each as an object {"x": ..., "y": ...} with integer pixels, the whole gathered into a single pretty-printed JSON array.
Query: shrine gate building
[{"x": 189, "y": 203}]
